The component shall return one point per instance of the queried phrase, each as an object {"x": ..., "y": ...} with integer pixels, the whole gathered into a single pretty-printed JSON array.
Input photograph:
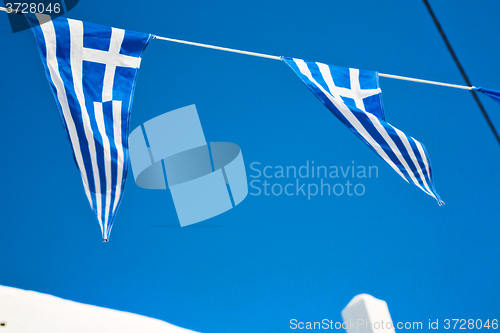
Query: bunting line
[{"x": 262, "y": 55}]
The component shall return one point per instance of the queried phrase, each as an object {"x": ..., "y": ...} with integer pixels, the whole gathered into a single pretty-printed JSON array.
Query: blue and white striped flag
[
  {"x": 354, "y": 96},
  {"x": 92, "y": 70}
]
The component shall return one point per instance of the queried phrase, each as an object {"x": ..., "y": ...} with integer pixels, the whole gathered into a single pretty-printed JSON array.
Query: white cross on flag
[
  {"x": 354, "y": 97},
  {"x": 92, "y": 70}
]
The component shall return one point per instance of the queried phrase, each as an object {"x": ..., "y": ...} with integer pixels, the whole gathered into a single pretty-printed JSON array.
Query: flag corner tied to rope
[
  {"x": 354, "y": 96},
  {"x": 92, "y": 70},
  {"x": 493, "y": 94}
]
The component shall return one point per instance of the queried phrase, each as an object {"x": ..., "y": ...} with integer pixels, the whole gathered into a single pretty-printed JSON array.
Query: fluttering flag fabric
[
  {"x": 493, "y": 94},
  {"x": 354, "y": 96},
  {"x": 92, "y": 70}
]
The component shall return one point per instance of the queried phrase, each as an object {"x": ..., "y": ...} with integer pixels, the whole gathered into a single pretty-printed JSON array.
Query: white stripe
[
  {"x": 117, "y": 129},
  {"x": 76, "y": 33},
  {"x": 337, "y": 101},
  {"x": 424, "y": 158},
  {"x": 50, "y": 41},
  {"x": 107, "y": 159},
  {"x": 115, "y": 45},
  {"x": 403, "y": 138}
]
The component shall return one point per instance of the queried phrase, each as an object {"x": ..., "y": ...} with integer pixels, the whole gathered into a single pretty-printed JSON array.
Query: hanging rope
[
  {"x": 255, "y": 54},
  {"x": 261, "y": 55},
  {"x": 397, "y": 77}
]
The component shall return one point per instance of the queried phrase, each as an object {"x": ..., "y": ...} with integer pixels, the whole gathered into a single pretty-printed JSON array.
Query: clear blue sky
[{"x": 273, "y": 258}]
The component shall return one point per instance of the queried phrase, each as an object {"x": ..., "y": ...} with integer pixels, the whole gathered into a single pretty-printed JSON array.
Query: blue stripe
[
  {"x": 421, "y": 163},
  {"x": 90, "y": 31}
]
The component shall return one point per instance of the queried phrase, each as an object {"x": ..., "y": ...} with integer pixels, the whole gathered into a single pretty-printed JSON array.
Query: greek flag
[
  {"x": 92, "y": 70},
  {"x": 493, "y": 94},
  {"x": 354, "y": 96}
]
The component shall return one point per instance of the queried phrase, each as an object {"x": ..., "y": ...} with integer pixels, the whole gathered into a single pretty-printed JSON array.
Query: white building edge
[{"x": 23, "y": 311}]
